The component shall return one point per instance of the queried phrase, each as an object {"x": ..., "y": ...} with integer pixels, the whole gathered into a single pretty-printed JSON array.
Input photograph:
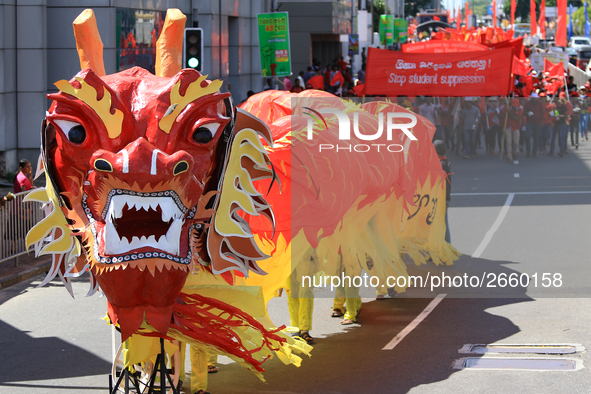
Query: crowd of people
[
  {"x": 545, "y": 110},
  {"x": 336, "y": 77},
  {"x": 515, "y": 125}
]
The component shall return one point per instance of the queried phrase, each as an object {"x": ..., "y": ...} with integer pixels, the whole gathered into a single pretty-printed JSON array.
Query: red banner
[
  {"x": 484, "y": 73},
  {"x": 467, "y": 12},
  {"x": 561, "y": 23},
  {"x": 542, "y": 21},
  {"x": 441, "y": 46},
  {"x": 494, "y": 10},
  {"x": 532, "y": 17}
]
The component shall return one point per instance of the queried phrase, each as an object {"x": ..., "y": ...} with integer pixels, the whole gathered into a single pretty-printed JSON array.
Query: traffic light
[{"x": 193, "y": 48}]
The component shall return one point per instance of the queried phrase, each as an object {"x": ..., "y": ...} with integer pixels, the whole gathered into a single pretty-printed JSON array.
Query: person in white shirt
[{"x": 427, "y": 109}]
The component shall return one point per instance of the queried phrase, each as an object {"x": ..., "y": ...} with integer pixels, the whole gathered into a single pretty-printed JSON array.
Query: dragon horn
[
  {"x": 169, "y": 47},
  {"x": 88, "y": 43}
]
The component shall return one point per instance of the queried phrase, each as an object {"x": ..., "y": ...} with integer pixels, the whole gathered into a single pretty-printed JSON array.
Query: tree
[
  {"x": 579, "y": 20},
  {"x": 379, "y": 8},
  {"x": 480, "y": 6},
  {"x": 522, "y": 9}
]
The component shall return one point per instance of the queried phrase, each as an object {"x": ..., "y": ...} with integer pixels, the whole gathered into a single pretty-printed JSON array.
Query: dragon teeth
[{"x": 168, "y": 243}]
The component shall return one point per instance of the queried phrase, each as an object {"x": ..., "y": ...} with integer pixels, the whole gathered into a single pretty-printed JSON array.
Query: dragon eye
[
  {"x": 205, "y": 133},
  {"x": 74, "y": 131},
  {"x": 77, "y": 134}
]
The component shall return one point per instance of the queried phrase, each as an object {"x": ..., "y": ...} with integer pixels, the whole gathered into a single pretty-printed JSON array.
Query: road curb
[{"x": 22, "y": 276}]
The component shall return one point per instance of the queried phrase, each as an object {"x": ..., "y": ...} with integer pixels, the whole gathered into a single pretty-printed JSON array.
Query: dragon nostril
[
  {"x": 103, "y": 165},
  {"x": 180, "y": 167}
]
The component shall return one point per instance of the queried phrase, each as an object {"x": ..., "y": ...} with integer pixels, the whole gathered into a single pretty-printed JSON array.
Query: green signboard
[
  {"x": 386, "y": 30},
  {"x": 274, "y": 44},
  {"x": 400, "y": 30}
]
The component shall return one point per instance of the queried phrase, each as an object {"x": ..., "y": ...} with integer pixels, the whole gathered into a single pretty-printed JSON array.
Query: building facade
[
  {"x": 319, "y": 30},
  {"x": 37, "y": 49}
]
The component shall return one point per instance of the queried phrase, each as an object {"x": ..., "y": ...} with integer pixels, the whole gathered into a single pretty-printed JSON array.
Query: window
[{"x": 137, "y": 32}]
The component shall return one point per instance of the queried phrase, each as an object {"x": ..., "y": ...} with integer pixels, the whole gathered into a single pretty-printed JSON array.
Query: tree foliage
[
  {"x": 579, "y": 20},
  {"x": 522, "y": 9}
]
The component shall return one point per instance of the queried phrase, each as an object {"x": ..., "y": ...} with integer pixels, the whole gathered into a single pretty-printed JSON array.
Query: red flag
[
  {"x": 520, "y": 67},
  {"x": 482, "y": 105},
  {"x": 317, "y": 82},
  {"x": 458, "y": 18},
  {"x": 555, "y": 70},
  {"x": 561, "y": 23},
  {"x": 436, "y": 18},
  {"x": 360, "y": 90},
  {"x": 532, "y": 18},
  {"x": 494, "y": 7},
  {"x": 467, "y": 12},
  {"x": 542, "y": 21},
  {"x": 553, "y": 87},
  {"x": 338, "y": 77},
  {"x": 513, "y": 7}
]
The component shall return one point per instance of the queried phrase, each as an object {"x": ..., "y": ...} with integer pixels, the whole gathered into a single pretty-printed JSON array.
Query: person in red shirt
[
  {"x": 24, "y": 179},
  {"x": 296, "y": 88},
  {"x": 560, "y": 129},
  {"x": 548, "y": 124},
  {"x": 492, "y": 125},
  {"x": 327, "y": 78},
  {"x": 533, "y": 110},
  {"x": 342, "y": 63},
  {"x": 514, "y": 122}
]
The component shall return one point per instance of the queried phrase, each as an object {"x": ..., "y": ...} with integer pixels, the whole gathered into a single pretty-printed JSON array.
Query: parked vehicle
[
  {"x": 572, "y": 56},
  {"x": 577, "y": 41},
  {"x": 583, "y": 56}
]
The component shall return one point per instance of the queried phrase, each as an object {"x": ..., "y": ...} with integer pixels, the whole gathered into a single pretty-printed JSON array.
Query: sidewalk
[{"x": 28, "y": 267}]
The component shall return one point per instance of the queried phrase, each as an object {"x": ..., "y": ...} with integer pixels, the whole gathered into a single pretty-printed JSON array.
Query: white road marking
[
  {"x": 417, "y": 320},
  {"x": 494, "y": 227},
  {"x": 413, "y": 324},
  {"x": 516, "y": 175}
]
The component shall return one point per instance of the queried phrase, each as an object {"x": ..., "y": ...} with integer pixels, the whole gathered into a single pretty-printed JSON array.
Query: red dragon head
[{"x": 149, "y": 172}]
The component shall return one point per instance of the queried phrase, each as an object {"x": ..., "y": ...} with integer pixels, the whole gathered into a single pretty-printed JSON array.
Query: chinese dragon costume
[{"x": 164, "y": 193}]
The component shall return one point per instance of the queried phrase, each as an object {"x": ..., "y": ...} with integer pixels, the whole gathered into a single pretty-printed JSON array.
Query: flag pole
[{"x": 505, "y": 125}]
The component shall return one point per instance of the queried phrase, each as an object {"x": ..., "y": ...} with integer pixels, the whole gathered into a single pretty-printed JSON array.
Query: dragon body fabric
[{"x": 350, "y": 211}]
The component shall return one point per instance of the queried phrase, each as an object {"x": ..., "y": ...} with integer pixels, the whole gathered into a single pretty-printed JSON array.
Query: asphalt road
[{"x": 50, "y": 343}]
